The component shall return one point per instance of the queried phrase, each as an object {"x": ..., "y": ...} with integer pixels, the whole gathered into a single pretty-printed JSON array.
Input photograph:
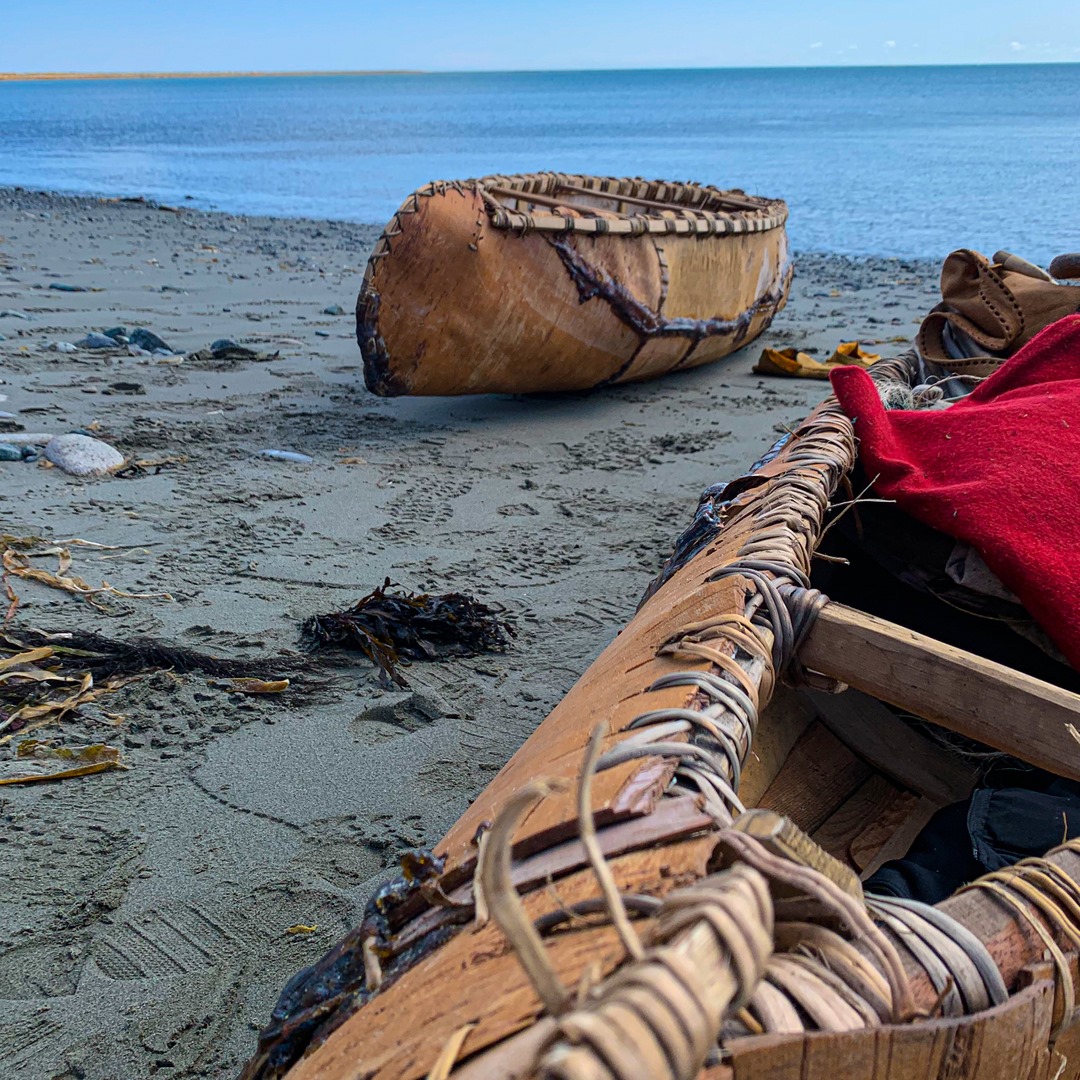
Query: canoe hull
[{"x": 452, "y": 303}]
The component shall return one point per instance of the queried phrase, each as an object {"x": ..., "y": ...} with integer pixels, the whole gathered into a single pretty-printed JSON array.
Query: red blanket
[{"x": 999, "y": 469}]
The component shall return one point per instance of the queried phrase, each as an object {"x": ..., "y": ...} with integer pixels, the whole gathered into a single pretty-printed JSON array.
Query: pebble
[
  {"x": 63, "y": 286},
  {"x": 10, "y": 452},
  {"x": 62, "y": 346},
  {"x": 333, "y": 309},
  {"x": 287, "y": 455},
  {"x": 147, "y": 339},
  {"x": 97, "y": 341},
  {"x": 81, "y": 455},
  {"x": 321, "y": 333},
  {"x": 11, "y": 313}
]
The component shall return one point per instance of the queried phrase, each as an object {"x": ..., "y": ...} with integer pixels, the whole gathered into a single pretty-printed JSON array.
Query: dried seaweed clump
[
  {"x": 392, "y": 628},
  {"x": 45, "y": 676}
]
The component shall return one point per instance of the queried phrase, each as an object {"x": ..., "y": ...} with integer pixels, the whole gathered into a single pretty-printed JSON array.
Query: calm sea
[{"x": 903, "y": 161}]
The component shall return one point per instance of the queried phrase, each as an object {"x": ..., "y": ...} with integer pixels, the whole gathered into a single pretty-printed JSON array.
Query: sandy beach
[{"x": 143, "y": 928}]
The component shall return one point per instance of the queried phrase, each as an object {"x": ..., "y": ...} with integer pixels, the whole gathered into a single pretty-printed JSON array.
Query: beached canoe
[
  {"x": 551, "y": 282},
  {"x": 606, "y": 909}
]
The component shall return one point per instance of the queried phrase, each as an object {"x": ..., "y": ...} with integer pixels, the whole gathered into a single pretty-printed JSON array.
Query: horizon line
[
  {"x": 74, "y": 76},
  {"x": 47, "y": 76}
]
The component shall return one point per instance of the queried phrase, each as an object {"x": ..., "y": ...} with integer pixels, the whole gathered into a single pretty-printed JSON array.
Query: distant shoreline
[{"x": 70, "y": 76}]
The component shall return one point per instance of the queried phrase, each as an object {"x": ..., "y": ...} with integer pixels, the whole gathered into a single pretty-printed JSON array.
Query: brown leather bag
[{"x": 998, "y": 305}]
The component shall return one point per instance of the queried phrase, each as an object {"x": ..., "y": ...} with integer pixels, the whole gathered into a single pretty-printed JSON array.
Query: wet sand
[{"x": 143, "y": 923}]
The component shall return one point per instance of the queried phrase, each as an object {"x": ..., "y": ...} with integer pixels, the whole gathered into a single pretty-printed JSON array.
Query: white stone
[{"x": 80, "y": 455}]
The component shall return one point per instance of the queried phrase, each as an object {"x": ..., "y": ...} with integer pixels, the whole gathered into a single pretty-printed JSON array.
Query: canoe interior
[
  {"x": 624, "y": 198},
  {"x": 562, "y": 202}
]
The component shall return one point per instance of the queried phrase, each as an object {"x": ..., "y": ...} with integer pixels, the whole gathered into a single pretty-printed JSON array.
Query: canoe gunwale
[{"x": 688, "y": 213}]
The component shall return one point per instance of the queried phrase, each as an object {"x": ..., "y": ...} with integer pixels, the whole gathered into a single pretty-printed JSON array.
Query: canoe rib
[{"x": 954, "y": 689}]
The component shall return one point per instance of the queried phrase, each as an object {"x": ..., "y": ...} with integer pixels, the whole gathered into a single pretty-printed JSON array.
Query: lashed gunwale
[{"x": 773, "y": 518}]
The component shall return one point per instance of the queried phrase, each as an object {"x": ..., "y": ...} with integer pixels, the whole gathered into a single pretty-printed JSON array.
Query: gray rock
[
  {"x": 11, "y": 313},
  {"x": 223, "y": 343},
  {"x": 333, "y": 309},
  {"x": 162, "y": 352},
  {"x": 97, "y": 341},
  {"x": 117, "y": 333},
  {"x": 10, "y": 452},
  {"x": 134, "y": 350},
  {"x": 63, "y": 286},
  {"x": 62, "y": 346},
  {"x": 321, "y": 333},
  {"x": 147, "y": 339},
  {"x": 81, "y": 455}
]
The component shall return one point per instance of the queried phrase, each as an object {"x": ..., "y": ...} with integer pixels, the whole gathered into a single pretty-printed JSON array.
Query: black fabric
[
  {"x": 937, "y": 864},
  {"x": 997, "y": 827}
]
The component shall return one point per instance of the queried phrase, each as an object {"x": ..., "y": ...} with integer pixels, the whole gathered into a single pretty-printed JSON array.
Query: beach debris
[
  {"x": 225, "y": 353},
  {"x": 333, "y": 309},
  {"x": 287, "y": 455},
  {"x": 147, "y": 339},
  {"x": 25, "y": 438},
  {"x": 64, "y": 286},
  {"x": 302, "y": 928},
  {"x": 94, "y": 340},
  {"x": 44, "y": 676},
  {"x": 261, "y": 686},
  {"x": 83, "y": 455},
  {"x": 83, "y": 760},
  {"x": 11, "y": 313},
  {"x": 16, "y": 562},
  {"x": 392, "y": 628},
  {"x": 62, "y": 346},
  {"x": 10, "y": 452},
  {"x": 796, "y": 364}
]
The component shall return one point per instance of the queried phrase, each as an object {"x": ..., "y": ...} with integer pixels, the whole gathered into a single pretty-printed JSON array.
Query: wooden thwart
[{"x": 1006, "y": 709}]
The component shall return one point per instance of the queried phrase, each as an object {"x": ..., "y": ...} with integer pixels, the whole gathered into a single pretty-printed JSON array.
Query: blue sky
[{"x": 471, "y": 35}]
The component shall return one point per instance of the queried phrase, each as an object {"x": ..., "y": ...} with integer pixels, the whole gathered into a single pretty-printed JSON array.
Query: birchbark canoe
[
  {"x": 548, "y": 282},
  {"x": 606, "y": 909}
]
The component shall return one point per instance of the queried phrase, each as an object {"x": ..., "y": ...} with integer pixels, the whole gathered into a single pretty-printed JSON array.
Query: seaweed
[
  {"x": 44, "y": 676},
  {"x": 391, "y": 629}
]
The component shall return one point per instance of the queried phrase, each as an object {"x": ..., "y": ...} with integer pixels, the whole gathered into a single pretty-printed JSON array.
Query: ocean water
[{"x": 895, "y": 161}]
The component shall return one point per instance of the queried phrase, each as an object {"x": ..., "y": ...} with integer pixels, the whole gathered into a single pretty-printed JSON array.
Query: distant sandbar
[{"x": 53, "y": 76}]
